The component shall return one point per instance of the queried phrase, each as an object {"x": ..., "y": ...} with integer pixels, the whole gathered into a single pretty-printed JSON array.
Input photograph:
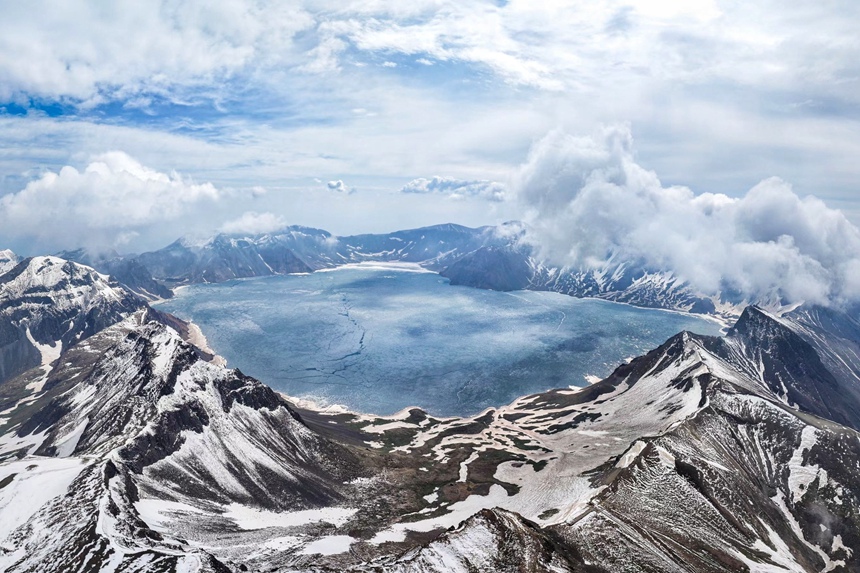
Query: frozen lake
[{"x": 378, "y": 339}]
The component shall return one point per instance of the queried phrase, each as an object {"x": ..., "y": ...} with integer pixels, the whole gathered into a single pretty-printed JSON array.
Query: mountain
[
  {"x": 494, "y": 268},
  {"x": 807, "y": 358},
  {"x": 48, "y": 304},
  {"x": 516, "y": 267},
  {"x": 706, "y": 454},
  {"x": 135, "y": 423},
  {"x": 8, "y": 260},
  {"x": 723, "y": 475},
  {"x": 127, "y": 271},
  {"x": 219, "y": 259},
  {"x": 494, "y": 258},
  {"x": 497, "y": 258},
  {"x": 302, "y": 249}
]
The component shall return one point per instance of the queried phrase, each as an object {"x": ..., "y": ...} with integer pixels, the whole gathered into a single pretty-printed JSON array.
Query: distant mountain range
[
  {"x": 486, "y": 257},
  {"x": 123, "y": 447}
]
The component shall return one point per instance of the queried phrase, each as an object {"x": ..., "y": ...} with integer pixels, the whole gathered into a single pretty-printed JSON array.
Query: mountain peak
[
  {"x": 50, "y": 273},
  {"x": 48, "y": 304},
  {"x": 8, "y": 260}
]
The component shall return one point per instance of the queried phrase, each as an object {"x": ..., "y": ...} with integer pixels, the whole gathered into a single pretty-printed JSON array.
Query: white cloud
[
  {"x": 106, "y": 204},
  {"x": 189, "y": 49},
  {"x": 587, "y": 199},
  {"x": 87, "y": 52},
  {"x": 457, "y": 188},
  {"x": 253, "y": 223},
  {"x": 721, "y": 95},
  {"x": 339, "y": 186}
]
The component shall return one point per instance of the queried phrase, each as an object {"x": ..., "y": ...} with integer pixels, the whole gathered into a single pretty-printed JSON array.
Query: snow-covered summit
[
  {"x": 143, "y": 431},
  {"x": 47, "y": 304},
  {"x": 8, "y": 260},
  {"x": 62, "y": 279}
]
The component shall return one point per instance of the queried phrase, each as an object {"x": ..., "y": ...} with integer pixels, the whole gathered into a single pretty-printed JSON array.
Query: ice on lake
[{"x": 380, "y": 339}]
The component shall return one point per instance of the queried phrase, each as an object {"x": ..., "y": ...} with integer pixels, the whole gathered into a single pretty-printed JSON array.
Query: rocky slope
[
  {"x": 127, "y": 271},
  {"x": 707, "y": 454},
  {"x": 723, "y": 476},
  {"x": 138, "y": 427},
  {"x": 47, "y": 304}
]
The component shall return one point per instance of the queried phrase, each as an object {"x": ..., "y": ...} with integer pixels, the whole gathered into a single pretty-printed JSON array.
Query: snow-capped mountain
[
  {"x": 127, "y": 271},
  {"x": 136, "y": 426},
  {"x": 723, "y": 476},
  {"x": 8, "y": 260},
  {"x": 706, "y": 454},
  {"x": 302, "y": 249},
  {"x": 486, "y": 257},
  {"x": 516, "y": 267},
  {"x": 48, "y": 304}
]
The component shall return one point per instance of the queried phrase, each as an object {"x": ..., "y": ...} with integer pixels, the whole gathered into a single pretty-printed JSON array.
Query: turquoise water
[{"x": 378, "y": 340}]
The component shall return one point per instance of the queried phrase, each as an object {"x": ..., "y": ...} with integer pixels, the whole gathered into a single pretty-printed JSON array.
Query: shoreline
[
  {"x": 399, "y": 266},
  {"x": 198, "y": 339}
]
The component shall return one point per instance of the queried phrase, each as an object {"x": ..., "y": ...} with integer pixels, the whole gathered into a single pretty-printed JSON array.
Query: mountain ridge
[
  {"x": 491, "y": 257},
  {"x": 139, "y": 425}
]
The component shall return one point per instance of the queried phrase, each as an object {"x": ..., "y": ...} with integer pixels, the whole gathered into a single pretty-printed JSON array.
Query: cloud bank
[
  {"x": 253, "y": 223},
  {"x": 457, "y": 188},
  {"x": 111, "y": 201},
  {"x": 588, "y": 199}
]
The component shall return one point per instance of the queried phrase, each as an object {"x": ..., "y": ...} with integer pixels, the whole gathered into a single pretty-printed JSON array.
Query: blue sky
[{"x": 128, "y": 124}]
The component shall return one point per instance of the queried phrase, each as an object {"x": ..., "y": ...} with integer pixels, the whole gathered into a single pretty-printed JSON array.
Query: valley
[{"x": 707, "y": 453}]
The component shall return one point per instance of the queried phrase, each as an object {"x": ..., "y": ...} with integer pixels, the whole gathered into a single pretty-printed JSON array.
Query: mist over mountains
[
  {"x": 584, "y": 201},
  {"x": 587, "y": 199}
]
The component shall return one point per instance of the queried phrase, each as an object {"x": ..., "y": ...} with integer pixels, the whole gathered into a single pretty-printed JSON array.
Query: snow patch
[
  {"x": 66, "y": 446},
  {"x": 249, "y": 518},
  {"x": 36, "y": 481},
  {"x": 329, "y": 545},
  {"x": 158, "y": 513},
  {"x": 630, "y": 455},
  {"x": 802, "y": 475}
]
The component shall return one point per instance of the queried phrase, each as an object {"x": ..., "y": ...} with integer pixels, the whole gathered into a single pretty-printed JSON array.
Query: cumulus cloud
[
  {"x": 588, "y": 199},
  {"x": 112, "y": 200},
  {"x": 339, "y": 186},
  {"x": 457, "y": 188},
  {"x": 253, "y": 223}
]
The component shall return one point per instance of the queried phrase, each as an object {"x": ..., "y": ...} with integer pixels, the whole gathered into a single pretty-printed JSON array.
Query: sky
[{"x": 125, "y": 125}]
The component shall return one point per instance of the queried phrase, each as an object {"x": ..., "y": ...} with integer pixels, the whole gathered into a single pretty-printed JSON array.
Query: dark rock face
[
  {"x": 136, "y": 278},
  {"x": 493, "y": 268},
  {"x": 17, "y": 353},
  {"x": 804, "y": 358}
]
